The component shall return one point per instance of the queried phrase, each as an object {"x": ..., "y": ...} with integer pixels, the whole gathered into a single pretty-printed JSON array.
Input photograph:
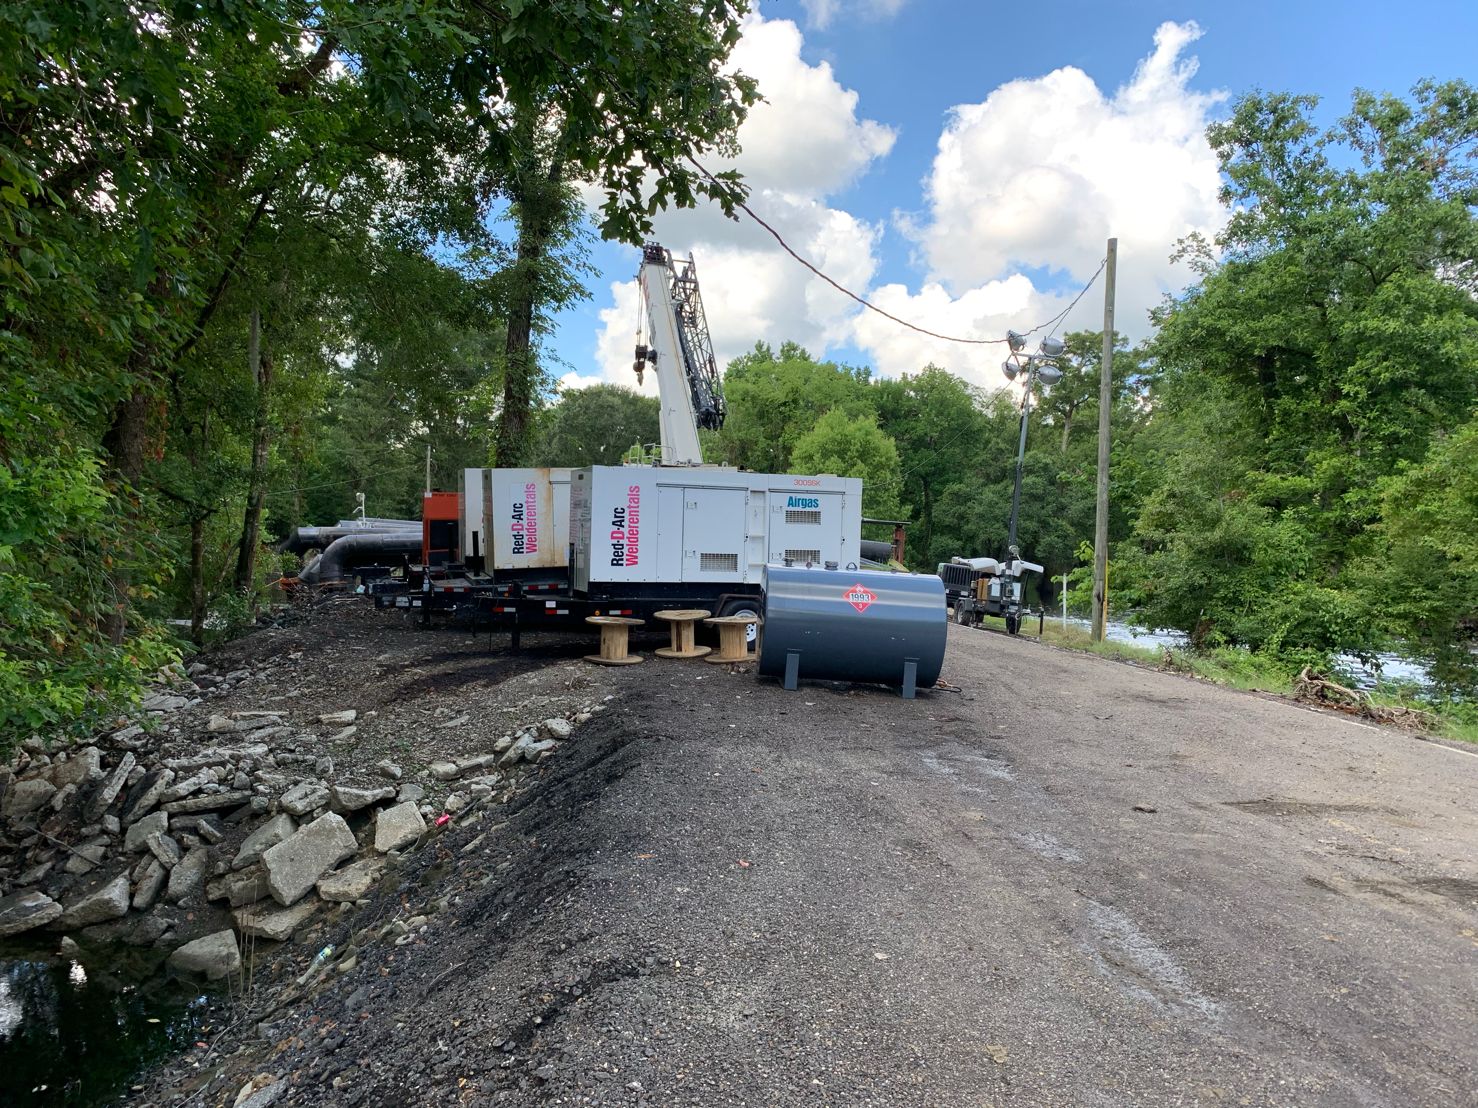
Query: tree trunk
[
  {"x": 518, "y": 360},
  {"x": 197, "y": 580},
  {"x": 126, "y": 444},
  {"x": 261, "y": 366},
  {"x": 537, "y": 201}
]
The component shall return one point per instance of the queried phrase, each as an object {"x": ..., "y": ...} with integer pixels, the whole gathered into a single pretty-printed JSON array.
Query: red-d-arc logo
[{"x": 860, "y": 596}]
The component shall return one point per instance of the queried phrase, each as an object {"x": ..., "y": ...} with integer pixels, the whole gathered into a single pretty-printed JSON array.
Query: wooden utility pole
[{"x": 1105, "y": 406}]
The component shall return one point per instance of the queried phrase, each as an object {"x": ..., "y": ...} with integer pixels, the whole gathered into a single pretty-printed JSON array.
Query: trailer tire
[
  {"x": 1013, "y": 624},
  {"x": 960, "y": 616}
]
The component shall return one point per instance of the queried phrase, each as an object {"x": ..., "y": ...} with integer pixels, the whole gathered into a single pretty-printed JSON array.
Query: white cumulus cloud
[
  {"x": 804, "y": 143},
  {"x": 1043, "y": 171}
]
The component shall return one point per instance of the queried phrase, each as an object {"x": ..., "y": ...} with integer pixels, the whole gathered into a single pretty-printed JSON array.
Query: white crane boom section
[{"x": 679, "y": 426}]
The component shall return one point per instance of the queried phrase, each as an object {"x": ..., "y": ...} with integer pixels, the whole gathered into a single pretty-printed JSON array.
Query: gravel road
[{"x": 1072, "y": 883}]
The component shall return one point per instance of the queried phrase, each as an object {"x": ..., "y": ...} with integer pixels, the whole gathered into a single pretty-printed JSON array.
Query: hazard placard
[{"x": 860, "y": 596}]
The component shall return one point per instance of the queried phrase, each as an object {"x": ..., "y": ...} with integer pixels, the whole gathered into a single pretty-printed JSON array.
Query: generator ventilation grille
[
  {"x": 801, "y": 557},
  {"x": 793, "y": 515},
  {"x": 718, "y": 563}
]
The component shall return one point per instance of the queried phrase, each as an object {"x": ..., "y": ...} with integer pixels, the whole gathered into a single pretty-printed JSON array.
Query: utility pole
[
  {"x": 428, "y": 467},
  {"x": 1105, "y": 405}
]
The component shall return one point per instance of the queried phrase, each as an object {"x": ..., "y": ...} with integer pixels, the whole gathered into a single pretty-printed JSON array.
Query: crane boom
[{"x": 677, "y": 344}]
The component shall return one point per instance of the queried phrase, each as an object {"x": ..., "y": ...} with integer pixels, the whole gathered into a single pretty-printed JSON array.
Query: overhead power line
[
  {"x": 778, "y": 237},
  {"x": 739, "y": 203}
]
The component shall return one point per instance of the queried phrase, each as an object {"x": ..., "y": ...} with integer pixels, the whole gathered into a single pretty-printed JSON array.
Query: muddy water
[{"x": 78, "y": 1031}]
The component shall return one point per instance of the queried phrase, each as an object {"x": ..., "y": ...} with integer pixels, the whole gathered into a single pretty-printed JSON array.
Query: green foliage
[
  {"x": 167, "y": 170},
  {"x": 596, "y": 426},
  {"x": 1307, "y": 392},
  {"x": 775, "y": 399},
  {"x": 852, "y": 446}
]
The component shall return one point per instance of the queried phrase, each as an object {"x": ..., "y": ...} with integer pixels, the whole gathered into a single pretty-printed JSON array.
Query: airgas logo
[{"x": 803, "y": 502}]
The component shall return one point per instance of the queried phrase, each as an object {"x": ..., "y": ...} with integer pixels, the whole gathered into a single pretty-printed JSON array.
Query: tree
[
  {"x": 596, "y": 426},
  {"x": 775, "y": 399},
  {"x": 1334, "y": 342},
  {"x": 852, "y": 446}
]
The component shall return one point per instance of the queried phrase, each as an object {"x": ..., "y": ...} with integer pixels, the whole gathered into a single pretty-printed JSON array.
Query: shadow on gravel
[{"x": 460, "y": 669}]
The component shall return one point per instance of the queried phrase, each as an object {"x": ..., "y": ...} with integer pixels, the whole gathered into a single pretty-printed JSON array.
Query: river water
[
  {"x": 1386, "y": 667},
  {"x": 77, "y": 1031}
]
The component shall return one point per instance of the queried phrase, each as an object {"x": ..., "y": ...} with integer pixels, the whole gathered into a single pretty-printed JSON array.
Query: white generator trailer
[
  {"x": 516, "y": 523},
  {"x": 704, "y": 533}
]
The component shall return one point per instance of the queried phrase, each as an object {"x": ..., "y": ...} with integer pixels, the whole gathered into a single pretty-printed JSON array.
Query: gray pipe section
[
  {"x": 360, "y": 549},
  {"x": 875, "y": 550},
  {"x": 300, "y": 539}
]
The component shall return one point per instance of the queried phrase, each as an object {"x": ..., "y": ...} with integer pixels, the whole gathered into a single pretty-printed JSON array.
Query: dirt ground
[{"x": 1069, "y": 882}]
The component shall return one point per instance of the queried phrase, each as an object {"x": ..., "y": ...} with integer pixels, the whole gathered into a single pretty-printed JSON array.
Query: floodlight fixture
[
  {"x": 1016, "y": 342},
  {"x": 1009, "y": 368},
  {"x": 1049, "y": 374},
  {"x": 1053, "y": 347}
]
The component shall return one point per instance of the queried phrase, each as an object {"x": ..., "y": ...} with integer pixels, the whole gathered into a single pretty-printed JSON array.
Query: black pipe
[{"x": 351, "y": 550}]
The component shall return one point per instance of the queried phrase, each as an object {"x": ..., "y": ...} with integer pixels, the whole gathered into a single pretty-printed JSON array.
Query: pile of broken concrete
[{"x": 240, "y": 830}]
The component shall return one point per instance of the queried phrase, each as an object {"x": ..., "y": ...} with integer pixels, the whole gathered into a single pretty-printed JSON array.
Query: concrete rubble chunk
[
  {"x": 209, "y": 803},
  {"x": 295, "y": 865},
  {"x": 24, "y": 798},
  {"x": 502, "y": 745},
  {"x": 339, "y": 719},
  {"x": 303, "y": 797},
  {"x": 398, "y": 827},
  {"x": 165, "y": 849},
  {"x": 245, "y": 886},
  {"x": 388, "y": 769},
  {"x": 187, "y": 879},
  {"x": 268, "y": 921},
  {"x": 346, "y": 798},
  {"x": 136, "y": 838},
  {"x": 86, "y": 858},
  {"x": 209, "y": 828},
  {"x": 538, "y": 751},
  {"x": 219, "y": 724},
  {"x": 62, "y": 797},
  {"x": 192, "y": 784},
  {"x": 257, "y": 721},
  {"x": 351, "y": 882},
  {"x": 515, "y": 752},
  {"x": 24, "y": 910},
  {"x": 558, "y": 728},
  {"x": 410, "y": 791},
  {"x": 162, "y": 702},
  {"x": 444, "y": 771},
  {"x": 82, "y": 767},
  {"x": 113, "y": 785},
  {"x": 150, "y": 884},
  {"x": 212, "y": 957},
  {"x": 256, "y": 1095},
  {"x": 277, "y": 829},
  {"x": 108, "y": 901},
  {"x": 475, "y": 762},
  {"x": 146, "y": 794}
]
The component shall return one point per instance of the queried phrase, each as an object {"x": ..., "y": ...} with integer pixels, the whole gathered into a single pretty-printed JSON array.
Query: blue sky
[{"x": 1086, "y": 121}]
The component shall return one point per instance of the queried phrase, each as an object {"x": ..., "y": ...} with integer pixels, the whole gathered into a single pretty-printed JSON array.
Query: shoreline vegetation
[{"x": 1238, "y": 668}]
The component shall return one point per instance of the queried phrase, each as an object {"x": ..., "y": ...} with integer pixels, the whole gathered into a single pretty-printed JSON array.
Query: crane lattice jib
[{"x": 697, "y": 347}]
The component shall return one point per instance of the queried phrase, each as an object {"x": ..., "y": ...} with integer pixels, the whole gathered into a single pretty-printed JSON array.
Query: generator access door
[{"x": 714, "y": 534}]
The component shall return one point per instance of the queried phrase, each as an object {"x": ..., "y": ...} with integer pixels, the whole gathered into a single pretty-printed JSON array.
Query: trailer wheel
[
  {"x": 960, "y": 616},
  {"x": 1013, "y": 624}
]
